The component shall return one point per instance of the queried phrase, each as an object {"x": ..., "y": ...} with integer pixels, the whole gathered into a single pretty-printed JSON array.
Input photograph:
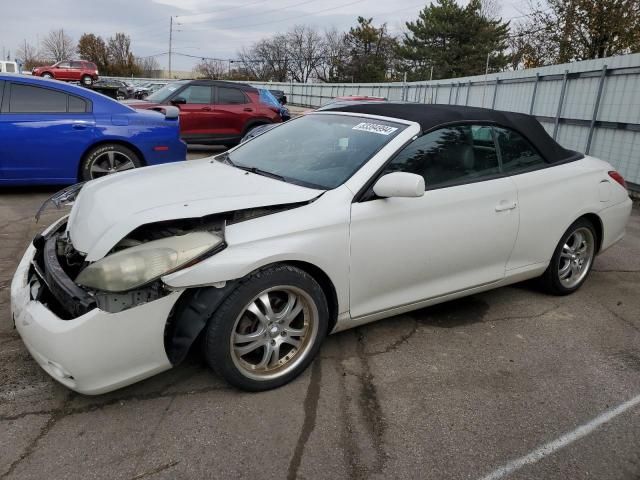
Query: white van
[{"x": 8, "y": 67}]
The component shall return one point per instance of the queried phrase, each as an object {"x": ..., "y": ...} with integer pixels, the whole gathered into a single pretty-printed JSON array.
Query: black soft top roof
[{"x": 432, "y": 116}]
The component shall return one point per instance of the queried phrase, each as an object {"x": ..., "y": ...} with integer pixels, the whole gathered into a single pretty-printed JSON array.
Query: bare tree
[
  {"x": 334, "y": 54},
  {"x": 148, "y": 66},
  {"x": 267, "y": 59},
  {"x": 490, "y": 9},
  {"x": 209, "y": 68},
  {"x": 29, "y": 55},
  {"x": 121, "y": 59},
  {"x": 57, "y": 46},
  {"x": 305, "y": 50}
]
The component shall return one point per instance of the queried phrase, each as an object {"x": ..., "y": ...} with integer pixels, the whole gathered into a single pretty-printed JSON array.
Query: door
[
  {"x": 75, "y": 71},
  {"x": 65, "y": 128},
  {"x": 196, "y": 111},
  {"x": 459, "y": 235},
  {"x": 62, "y": 71},
  {"x": 233, "y": 110}
]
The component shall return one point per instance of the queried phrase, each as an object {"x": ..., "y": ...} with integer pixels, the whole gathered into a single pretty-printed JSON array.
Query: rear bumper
[
  {"x": 98, "y": 351},
  {"x": 614, "y": 222}
]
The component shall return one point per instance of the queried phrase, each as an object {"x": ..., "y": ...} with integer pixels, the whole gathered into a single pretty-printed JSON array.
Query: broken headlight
[{"x": 136, "y": 266}]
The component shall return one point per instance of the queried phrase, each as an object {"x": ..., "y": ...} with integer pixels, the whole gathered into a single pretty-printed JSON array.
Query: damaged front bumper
[{"x": 94, "y": 352}]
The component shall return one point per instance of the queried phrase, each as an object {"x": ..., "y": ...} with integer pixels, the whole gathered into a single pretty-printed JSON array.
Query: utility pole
[{"x": 170, "y": 42}]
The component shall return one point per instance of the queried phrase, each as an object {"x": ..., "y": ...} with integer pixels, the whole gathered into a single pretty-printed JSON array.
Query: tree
[
  {"x": 121, "y": 59},
  {"x": 148, "y": 66},
  {"x": 213, "y": 69},
  {"x": 584, "y": 29},
  {"x": 57, "y": 46},
  {"x": 370, "y": 53},
  {"x": 455, "y": 41},
  {"x": 334, "y": 55},
  {"x": 305, "y": 50},
  {"x": 94, "y": 49},
  {"x": 29, "y": 55},
  {"x": 267, "y": 59}
]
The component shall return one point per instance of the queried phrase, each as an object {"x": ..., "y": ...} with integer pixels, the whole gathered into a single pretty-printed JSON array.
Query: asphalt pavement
[{"x": 458, "y": 390}]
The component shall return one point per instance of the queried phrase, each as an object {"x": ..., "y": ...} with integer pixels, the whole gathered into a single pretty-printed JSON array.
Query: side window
[
  {"x": 517, "y": 153},
  {"x": 196, "y": 94},
  {"x": 231, "y": 96},
  {"x": 29, "y": 99},
  {"x": 449, "y": 156},
  {"x": 77, "y": 105},
  {"x": 76, "y": 65},
  {"x": 63, "y": 65}
]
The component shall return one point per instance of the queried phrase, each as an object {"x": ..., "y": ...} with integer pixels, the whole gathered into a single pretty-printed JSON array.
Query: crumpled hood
[{"x": 109, "y": 208}]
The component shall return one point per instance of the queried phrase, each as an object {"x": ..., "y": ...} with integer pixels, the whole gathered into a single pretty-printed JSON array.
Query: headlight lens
[{"x": 135, "y": 266}]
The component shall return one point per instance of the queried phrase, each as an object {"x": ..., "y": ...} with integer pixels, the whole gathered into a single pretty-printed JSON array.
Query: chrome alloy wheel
[
  {"x": 576, "y": 257},
  {"x": 110, "y": 162},
  {"x": 274, "y": 332}
]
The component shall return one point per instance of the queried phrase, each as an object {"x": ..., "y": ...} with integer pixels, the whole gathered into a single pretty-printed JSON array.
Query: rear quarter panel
[{"x": 551, "y": 199}]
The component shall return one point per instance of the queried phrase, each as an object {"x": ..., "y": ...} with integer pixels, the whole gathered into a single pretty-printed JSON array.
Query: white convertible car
[{"x": 330, "y": 221}]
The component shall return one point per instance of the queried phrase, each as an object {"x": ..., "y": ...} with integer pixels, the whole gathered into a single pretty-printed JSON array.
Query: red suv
[
  {"x": 213, "y": 111},
  {"x": 69, "y": 71}
]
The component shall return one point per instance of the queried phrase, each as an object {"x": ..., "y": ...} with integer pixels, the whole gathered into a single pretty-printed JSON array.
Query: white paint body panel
[{"x": 383, "y": 256}]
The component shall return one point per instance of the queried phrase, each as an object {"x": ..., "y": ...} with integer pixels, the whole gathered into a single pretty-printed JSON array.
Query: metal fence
[{"x": 591, "y": 106}]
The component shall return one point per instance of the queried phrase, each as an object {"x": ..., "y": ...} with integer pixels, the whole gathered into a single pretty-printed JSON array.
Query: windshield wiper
[{"x": 264, "y": 173}]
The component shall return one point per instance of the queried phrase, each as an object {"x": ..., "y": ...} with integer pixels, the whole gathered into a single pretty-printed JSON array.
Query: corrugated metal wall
[{"x": 591, "y": 106}]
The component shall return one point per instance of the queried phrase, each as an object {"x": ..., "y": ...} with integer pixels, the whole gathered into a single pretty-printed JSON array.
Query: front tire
[
  {"x": 268, "y": 330},
  {"x": 572, "y": 259},
  {"x": 47, "y": 75},
  {"x": 106, "y": 159}
]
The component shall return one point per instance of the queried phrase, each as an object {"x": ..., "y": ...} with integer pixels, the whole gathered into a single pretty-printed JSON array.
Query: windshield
[
  {"x": 317, "y": 151},
  {"x": 165, "y": 92}
]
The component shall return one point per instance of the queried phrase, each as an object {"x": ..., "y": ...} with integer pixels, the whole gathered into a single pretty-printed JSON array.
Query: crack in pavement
[
  {"x": 99, "y": 406},
  {"x": 159, "y": 469},
  {"x": 310, "y": 415},
  {"x": 31, "y": 447}
]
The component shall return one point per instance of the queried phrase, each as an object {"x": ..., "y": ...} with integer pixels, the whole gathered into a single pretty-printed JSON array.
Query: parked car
[
  {"x": 280, "y": 96},
  {"x": 69, "y": 71},
  {"x": 120, "y": 88},
  {"x": 332, "y": 220},
  {"x": 57, "y": 133},
  {"x": 212, "y": 111},
  {"x": 8, "y": 67},
  {"x": 267, "y": 97}
]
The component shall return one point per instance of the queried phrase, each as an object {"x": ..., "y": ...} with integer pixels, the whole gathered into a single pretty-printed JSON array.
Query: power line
[{"x": 253, "y": 15}]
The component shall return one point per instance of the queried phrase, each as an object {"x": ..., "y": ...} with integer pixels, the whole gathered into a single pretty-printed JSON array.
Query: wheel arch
[
  {"x": 196, "y": 306},
  {"x": 596, "y": 221},
  {"x": 255, "y": 122},
  {"x": 100, "y": 143}
]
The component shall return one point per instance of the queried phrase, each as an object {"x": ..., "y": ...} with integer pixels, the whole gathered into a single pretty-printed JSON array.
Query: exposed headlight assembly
[{"x": 136, "y": 266}]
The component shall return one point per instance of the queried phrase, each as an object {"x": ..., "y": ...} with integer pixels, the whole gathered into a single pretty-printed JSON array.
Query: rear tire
[
  {"x": 87, "y": 80},
  {"x": 268, "y": 330},
  {"x": 572, "y": 259},
  {"x": 106, "y": 159}
]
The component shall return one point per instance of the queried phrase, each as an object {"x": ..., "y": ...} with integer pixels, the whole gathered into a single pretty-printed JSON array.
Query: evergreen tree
[{"x": 455, "y": 41}]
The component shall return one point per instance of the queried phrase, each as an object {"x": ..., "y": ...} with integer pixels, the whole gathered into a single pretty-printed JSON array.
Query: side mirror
[
  {"x": 399, "y": 184},
  {"x": 179, "y": 101}
]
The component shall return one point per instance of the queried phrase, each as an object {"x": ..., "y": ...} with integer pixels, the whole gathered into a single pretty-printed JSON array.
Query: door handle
[
  {"x": 206, "y": 109},
  {"x": 248, "y": 109},
  {"x": 504, "y": 205},
  {"x": 79, "y": 126}
]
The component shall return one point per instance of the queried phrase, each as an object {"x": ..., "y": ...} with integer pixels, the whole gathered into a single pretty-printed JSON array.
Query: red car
[
  {"x": 69, "y": 71},
  {"x": 213, "y": 111}
]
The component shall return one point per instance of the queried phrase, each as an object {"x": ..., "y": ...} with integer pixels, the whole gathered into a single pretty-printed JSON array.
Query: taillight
[{"x": 618, "y": 178}]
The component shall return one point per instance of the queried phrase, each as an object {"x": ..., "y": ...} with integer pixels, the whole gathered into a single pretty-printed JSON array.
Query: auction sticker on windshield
[{"x": 375, "y": 128}]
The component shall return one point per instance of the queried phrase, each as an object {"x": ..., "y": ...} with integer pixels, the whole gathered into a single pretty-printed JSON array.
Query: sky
[{"x": 202, "y": 28}]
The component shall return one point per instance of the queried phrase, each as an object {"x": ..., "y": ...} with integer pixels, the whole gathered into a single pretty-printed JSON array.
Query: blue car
[{"x": 55, "y": 133}]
